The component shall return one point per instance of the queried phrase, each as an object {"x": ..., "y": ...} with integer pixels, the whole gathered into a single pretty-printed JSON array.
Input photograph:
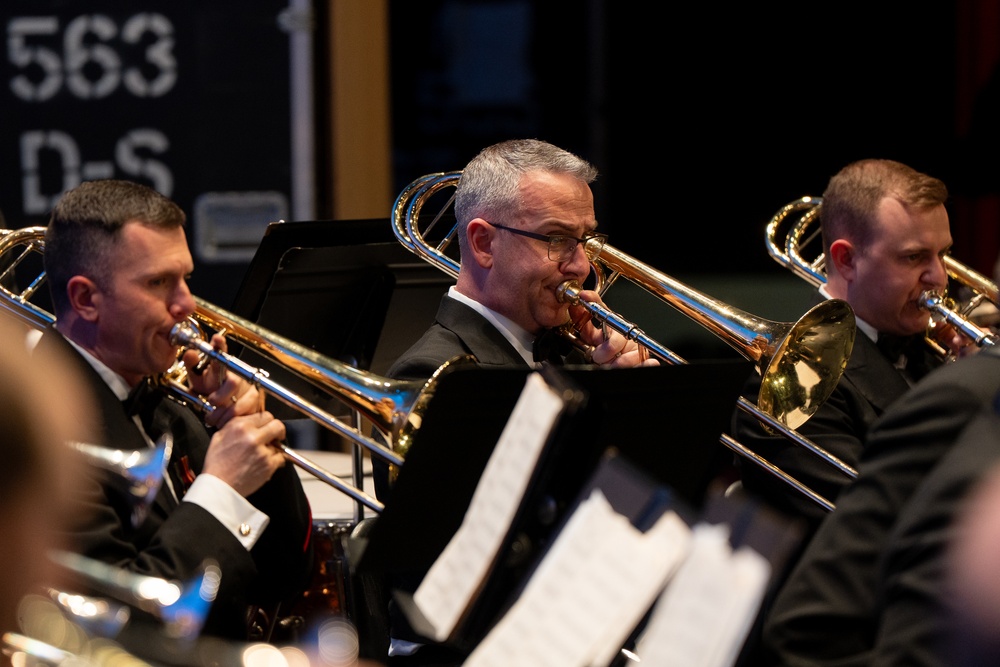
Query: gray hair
[{"x": 490, "y": 184}]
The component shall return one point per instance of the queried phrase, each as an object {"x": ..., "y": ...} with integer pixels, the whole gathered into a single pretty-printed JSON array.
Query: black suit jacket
[
  {"x": 175, "y": 539},
  {"x": 850, "y": 590},
  {"x": 869, "y": 385},
  {"x": 457, "y": 330}
]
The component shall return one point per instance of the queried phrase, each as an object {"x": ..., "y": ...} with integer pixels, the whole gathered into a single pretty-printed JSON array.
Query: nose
[
  {"x": 183, "y": 303},
  {"x": 577, "y": 265},
  {"x": 936, "y": 275}
]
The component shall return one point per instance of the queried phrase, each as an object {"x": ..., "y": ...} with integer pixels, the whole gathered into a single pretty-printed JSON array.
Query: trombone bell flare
[{"x": 808, "y": 363}]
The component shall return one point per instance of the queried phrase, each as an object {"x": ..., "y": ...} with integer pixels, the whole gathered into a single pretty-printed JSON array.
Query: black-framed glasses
[{"x": 562, "y": 247}]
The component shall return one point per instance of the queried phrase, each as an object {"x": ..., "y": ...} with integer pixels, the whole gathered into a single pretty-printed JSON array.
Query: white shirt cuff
[{"x": 233, "y": 511}]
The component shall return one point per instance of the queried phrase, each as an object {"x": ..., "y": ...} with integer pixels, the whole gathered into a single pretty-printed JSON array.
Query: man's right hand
[{"x": 241, "y": 453}]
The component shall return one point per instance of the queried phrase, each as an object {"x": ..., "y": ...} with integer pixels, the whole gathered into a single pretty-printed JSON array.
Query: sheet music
[
  {"x": 457, "y": 574},
  {"x": 589, "y": 592},
  {"x": 703, "y": 617}
]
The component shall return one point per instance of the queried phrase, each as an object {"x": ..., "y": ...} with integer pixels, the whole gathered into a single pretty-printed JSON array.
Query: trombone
[
  {"x": 790, "y": 251},
  {"x": 800, "y": 362},
  {"x": 395, "y": 408}
]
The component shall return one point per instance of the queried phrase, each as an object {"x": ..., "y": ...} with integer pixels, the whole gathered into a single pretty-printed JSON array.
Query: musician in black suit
[
  {"x": 885, "y": 234},
  {"x": 869, "y": 585},
  {"x": 117, "y": 262},
  {"x": 526, "y": 225}
]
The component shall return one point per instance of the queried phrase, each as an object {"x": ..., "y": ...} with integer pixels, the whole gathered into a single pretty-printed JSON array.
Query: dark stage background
[{"x": 703, "y": 120}]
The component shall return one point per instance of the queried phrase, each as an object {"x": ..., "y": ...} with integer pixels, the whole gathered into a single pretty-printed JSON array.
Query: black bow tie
[
  {"x": 893, "y": 347},
  {"x": 549, "y": 345},
  {"x": 142, "y": 399}
]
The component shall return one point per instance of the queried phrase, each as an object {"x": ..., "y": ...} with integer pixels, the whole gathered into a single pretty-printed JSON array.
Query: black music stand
[
  {"x": 665, "y": 420},
  {"x": 347, "y": 289}
]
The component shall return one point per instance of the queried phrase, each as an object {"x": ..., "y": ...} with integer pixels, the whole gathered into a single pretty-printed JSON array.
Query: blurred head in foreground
[{"x": 41, "y": 403}]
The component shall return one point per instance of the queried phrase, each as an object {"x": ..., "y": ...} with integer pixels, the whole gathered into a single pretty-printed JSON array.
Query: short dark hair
[
  {"x": 490, "y": 184},
  {"x": 87, "y": 222},
  {"x": 852, "y": 197}
]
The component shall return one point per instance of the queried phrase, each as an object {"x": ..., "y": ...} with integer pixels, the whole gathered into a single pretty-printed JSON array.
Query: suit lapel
[
  {"x": 871, "y": 373},
  {"x": 479, "y": 335}
]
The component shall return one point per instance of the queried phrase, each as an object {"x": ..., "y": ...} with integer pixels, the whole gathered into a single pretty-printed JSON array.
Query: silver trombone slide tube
[
  {"x": 743, "y": 451},
  {"x": 570, "y": 292},
  {"x": 934, "y": 303},
  {"x": 199, "y": 403}
]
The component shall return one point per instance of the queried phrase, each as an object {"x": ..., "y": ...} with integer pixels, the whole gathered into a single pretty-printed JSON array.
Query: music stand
[
  {"x": 666, "y": 420},
  {"x": 347, "y": 289}
]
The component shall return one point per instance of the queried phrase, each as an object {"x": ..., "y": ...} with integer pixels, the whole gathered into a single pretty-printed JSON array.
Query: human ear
[
  {"x": 479, "y": 235},
  {"x": 85, "y": 297},
  {"x": 842, "y": 259}
]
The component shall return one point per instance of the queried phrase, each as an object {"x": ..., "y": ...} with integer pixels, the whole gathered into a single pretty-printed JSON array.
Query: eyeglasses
[{"x": 561, "y": 247}]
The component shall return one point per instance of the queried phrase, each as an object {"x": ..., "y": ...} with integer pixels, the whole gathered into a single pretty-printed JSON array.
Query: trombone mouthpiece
[
  {"x": 183, "y": 334},
  {"x": 569, "y": 292}
]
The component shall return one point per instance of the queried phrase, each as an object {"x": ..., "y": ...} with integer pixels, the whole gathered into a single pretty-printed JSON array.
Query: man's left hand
[
  {"x": 610, "y": 348},
  {"x": 231, "y": 395}
]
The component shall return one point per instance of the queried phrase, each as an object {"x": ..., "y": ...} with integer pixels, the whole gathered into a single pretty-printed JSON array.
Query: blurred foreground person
[{"x": 40, "y": 471}]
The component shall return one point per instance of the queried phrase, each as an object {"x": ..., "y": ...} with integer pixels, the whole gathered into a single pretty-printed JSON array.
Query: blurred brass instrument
[
  {"x": 182, "y": 606},
  {"x": 138, "y": 474},
  {"x": 394, "y": 407},
  {"x": 60, "y": 627},
  {"x": 800, "y": 362},
  {"x": 792, "y": 241}
]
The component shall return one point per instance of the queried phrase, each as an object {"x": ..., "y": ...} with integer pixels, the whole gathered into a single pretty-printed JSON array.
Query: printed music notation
[
  {"x": 704, "y": 615},
  {"x": 453, "y": 581},
  {"x": 589, "y": 592}
]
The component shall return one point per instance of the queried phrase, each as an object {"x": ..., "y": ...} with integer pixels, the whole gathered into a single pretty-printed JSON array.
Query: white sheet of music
[
  {"x": 457, "y": 574},
  {"x": 593, "y": 586},
  {"x": 703, "y": 617}
]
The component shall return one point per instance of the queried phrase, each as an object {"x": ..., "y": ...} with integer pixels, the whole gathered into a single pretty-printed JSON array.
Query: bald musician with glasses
[{"x": 527, "y": 225}]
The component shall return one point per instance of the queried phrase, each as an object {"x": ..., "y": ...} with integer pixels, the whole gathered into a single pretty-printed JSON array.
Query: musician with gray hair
[{"x": 526, "y": 225}]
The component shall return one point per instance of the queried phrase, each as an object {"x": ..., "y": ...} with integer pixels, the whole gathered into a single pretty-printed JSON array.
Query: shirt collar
[
  {"x": 115, "y": 381},
  {"x": 516, "y": 335},
  {"x": 863, "y": 326}
]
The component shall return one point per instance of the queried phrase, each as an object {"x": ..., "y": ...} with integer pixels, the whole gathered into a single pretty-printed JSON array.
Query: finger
[
  {"x": 219, "y": 341},
  {"x": 591, "y": 296}
]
